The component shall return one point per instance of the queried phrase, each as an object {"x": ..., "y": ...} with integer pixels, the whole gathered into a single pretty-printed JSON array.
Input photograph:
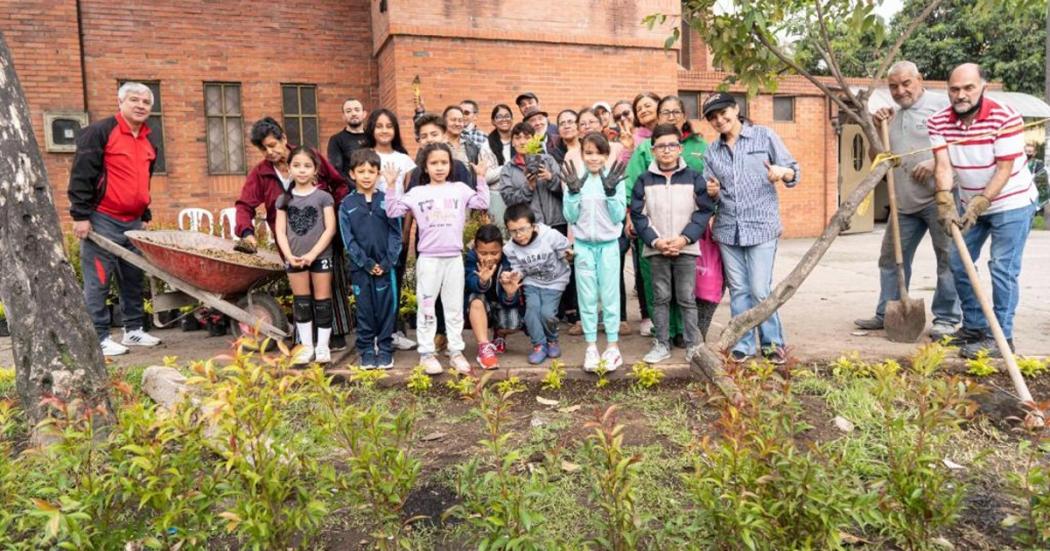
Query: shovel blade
[{"x": 905, "y": 319}]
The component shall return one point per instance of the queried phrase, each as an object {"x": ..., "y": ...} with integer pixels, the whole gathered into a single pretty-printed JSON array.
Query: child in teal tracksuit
[{"x": 595, "y": 203}]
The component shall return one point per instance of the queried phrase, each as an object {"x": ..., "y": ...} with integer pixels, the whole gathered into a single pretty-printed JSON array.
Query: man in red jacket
[{"x": 109, "y": 194}]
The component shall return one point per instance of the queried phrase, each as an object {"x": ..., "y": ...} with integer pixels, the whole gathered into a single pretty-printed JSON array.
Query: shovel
[{"x": 905, "y": 319}]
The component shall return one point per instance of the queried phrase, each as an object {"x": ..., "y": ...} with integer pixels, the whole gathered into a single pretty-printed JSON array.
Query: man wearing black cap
[{"x": 527, "y": 101}]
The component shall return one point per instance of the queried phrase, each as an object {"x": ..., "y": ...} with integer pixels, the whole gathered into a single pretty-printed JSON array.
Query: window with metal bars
[
  {"x": 225, "y": 127},
  {"x": 300, "y": 113}
]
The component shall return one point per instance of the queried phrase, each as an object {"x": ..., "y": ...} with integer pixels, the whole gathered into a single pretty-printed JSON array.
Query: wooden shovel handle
[
  {"x": 895, "y": 224},
  {"x": 997, "y": 331}
]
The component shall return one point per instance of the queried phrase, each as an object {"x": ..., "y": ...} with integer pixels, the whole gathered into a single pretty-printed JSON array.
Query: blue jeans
[
  {"x": 1009, "y": 231},
  {"x": 750, "y": 274},
  {"x": 913, "y": 228},
  {"x": 541, "y": 314}
]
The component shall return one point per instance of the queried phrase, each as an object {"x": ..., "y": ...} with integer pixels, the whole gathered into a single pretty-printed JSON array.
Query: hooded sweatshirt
[
  {"x": 596, "y": 217},
  {"x": 542, "y": 261}
]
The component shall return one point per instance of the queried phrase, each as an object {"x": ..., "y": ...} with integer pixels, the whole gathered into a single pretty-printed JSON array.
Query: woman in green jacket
[{"x": 670, "y": 110}]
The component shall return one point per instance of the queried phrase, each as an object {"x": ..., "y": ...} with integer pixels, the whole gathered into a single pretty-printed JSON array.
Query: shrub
[
  {"x": 614, "y": 476},
  {"x": 554, "y": 377}
]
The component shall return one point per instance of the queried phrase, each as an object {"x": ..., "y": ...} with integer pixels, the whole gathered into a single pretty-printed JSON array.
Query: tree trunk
[
  {"x": 55, "y": 348},
  {"x": 708, "y": 360}
]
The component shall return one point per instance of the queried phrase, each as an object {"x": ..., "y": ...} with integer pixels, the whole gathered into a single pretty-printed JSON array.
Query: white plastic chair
[
  {"x": 228, "y": 222},
  {"x": 193, "y": 218}
]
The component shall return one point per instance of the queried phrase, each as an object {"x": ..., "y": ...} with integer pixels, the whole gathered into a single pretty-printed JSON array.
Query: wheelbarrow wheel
[{"x": 265, "y": 307}]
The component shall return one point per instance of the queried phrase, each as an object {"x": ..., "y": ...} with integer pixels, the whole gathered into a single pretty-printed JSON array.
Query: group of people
[
  {"x": 973, "y": 171},
  {"x": 554, "y": 208},
  {"x": 557, "y": 206}
]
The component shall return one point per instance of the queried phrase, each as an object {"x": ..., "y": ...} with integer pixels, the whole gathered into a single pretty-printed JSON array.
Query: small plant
[
  {"x": 554, "y": 377},
  {"x": 645, "y": 375},
  {"x": 511, "y": 385},
  {"x": 418, "y": 381},
  {"x": 929, "y": 357},
  {"x": 614, "y": 476},
  {"x": 462, "y": 385},
  {"x": 534, "y": 146},
  {"x": 602, "y": 372},
  {"x": 850, "y": 365},
  {"x": 499, "y": 503},
  {"x": 982, "y": 365},
  {"x": 408, "y": 305},
  {"x": 1032, "y": 367},
  {"x": 366, "y": 378}
]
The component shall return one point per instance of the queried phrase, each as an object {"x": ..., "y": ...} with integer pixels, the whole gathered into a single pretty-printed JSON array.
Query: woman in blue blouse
[{"x": 746, "y": 164}]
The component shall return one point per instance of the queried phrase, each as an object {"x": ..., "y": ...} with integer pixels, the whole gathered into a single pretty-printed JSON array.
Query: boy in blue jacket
[
  {"x": 494, "y": 295},
  {"x": 373, "y": 243}
]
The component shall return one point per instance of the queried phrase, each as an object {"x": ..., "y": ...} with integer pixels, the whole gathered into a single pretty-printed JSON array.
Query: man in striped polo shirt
[{"x": 983, "y": 143}]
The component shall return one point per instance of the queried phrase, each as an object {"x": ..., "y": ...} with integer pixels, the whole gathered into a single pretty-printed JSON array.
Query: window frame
[
  {"x": 794, "y": 105},
  {"x": 300, "y": 116},
  {"x": 155, "y": 111},
  {"x": 224, "y": 117},
  {"x": 701, "y": 95}
]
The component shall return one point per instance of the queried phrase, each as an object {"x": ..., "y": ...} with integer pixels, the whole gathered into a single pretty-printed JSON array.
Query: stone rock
[{"x": 165, "y": 385}]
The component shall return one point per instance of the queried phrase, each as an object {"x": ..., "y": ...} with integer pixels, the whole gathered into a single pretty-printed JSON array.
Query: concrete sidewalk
[{"x": 818, "y": 320}]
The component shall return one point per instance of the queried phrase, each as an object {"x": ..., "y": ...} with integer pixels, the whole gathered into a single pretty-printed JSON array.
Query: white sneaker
[
  {"x": 591, "y": 359},
  {"x": 111, "y": 348},
  {"x": 322, "y": 355},
  {"x": 657, "y": 354},
  {"x": 388, "y": 365},
  {"x": 304, "y": 355},
  {"x": 401, "y": 342},
  {"x": 431, "y": 365},
  {"x": 138, "y": 337},
  {"x": 459, "y": 362},
  {"x": 613, "y": 359},
  {"x": 645, "y": 328},
  {"x": 366, "y": 367}
]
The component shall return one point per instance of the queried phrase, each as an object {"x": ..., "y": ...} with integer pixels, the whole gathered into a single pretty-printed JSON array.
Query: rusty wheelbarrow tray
[{"x": 207, "y": 269}]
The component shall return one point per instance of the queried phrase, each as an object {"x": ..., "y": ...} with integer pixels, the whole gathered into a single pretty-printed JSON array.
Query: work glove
[
  {"x": 612, "y": 179},
  {"x": 978, "y": 204},
  {"x": 947, "y": 213},
  {"x": 570, "y": 177}
]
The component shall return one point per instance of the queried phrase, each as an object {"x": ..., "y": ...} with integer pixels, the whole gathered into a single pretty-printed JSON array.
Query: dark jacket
[
  {"x": 340, "y": 146},
  {"x": 665, "y": 207},
  {"x": 545, "y": 200},
  {"x": 262, "y": 187},
  {"x": 369, "y": 236},
  {"x": 493, "y": 292},
  {"x": 87, "y": 178}
]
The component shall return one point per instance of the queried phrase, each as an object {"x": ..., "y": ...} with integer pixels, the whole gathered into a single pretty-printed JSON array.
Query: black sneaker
[
  {"x": 679, "y": 341},
  {"x": 337, "y": 343},
  {"x": 869, "y": 324},
  {"x": 739, "y": 357},
  {"x": 965, "y": 336},
  {"x": 971, "y": 350}
]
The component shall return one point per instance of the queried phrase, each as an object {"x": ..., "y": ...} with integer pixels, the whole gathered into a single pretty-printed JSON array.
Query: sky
[{"x": 888, "y": 8}]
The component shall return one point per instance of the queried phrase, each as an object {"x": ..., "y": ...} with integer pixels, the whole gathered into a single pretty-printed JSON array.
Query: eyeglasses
[
  {"x": 669, "y": 113},
  {"x": 667, "y": 147},
  {"x": 520, "y": 231},
  {"x": 503, "y": 118},
  {"x": 567, "y": 122},
  {"x": 622, "y": 115}
]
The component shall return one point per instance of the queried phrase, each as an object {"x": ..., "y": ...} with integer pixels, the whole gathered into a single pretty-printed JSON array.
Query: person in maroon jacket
[
  {"x": 109, "y": 194},
  {"x": 268, "y": 181}
]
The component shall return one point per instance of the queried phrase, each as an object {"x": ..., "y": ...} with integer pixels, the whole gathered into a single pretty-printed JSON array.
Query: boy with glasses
[{"x": 670, "y": 209}]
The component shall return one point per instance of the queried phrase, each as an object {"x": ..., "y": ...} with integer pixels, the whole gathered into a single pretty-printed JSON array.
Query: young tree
[
  {"x": 55, "y": 347},
  {"x": 756, "y": 41}
]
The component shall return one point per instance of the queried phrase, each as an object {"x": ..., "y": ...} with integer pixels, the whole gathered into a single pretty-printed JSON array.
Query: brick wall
[{"x": 42, "y": 36}]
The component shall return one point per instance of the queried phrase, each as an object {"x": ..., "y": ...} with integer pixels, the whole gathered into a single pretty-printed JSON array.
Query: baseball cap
[
  {"x": 523, "y": 95},
  {"x": 716, "y": 102}
]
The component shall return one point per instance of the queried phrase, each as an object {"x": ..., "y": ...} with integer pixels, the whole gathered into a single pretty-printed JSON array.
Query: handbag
[{"x": 709, "y": 278}]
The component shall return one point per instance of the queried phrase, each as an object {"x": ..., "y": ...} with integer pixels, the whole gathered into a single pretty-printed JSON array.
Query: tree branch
[
  {"x": 888, "y": 60},
  {"x": 825, "y": 52},
  {"x": 784, "y": 290}
]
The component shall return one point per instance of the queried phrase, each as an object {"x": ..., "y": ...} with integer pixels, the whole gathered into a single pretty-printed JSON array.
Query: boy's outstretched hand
[
  {"x": 486, "y": 270},
  {"x": 511, "y": 282},
  {"x": 612, "y": 179}
]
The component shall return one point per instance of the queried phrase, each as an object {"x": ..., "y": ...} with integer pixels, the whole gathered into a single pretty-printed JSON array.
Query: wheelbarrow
[{"x": 205, "y": 269}]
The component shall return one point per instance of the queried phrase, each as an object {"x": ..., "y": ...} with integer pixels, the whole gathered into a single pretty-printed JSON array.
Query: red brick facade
[{"x": 566, "y": 51}]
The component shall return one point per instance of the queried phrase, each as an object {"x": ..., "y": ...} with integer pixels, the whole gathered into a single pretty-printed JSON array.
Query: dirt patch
[
  {"x": 427, "y": 504},
  {"x": 232, "y": 257}
]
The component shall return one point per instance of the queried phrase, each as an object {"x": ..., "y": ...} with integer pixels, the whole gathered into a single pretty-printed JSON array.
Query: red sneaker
[
  {"x": 500, "y": 343},
  {"x": 487, "y": 357}
]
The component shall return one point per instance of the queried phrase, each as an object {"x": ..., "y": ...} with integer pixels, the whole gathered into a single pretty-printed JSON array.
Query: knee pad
[
  {"x": 303, "y": 308},
  {"x": 323, "y": 313}
]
